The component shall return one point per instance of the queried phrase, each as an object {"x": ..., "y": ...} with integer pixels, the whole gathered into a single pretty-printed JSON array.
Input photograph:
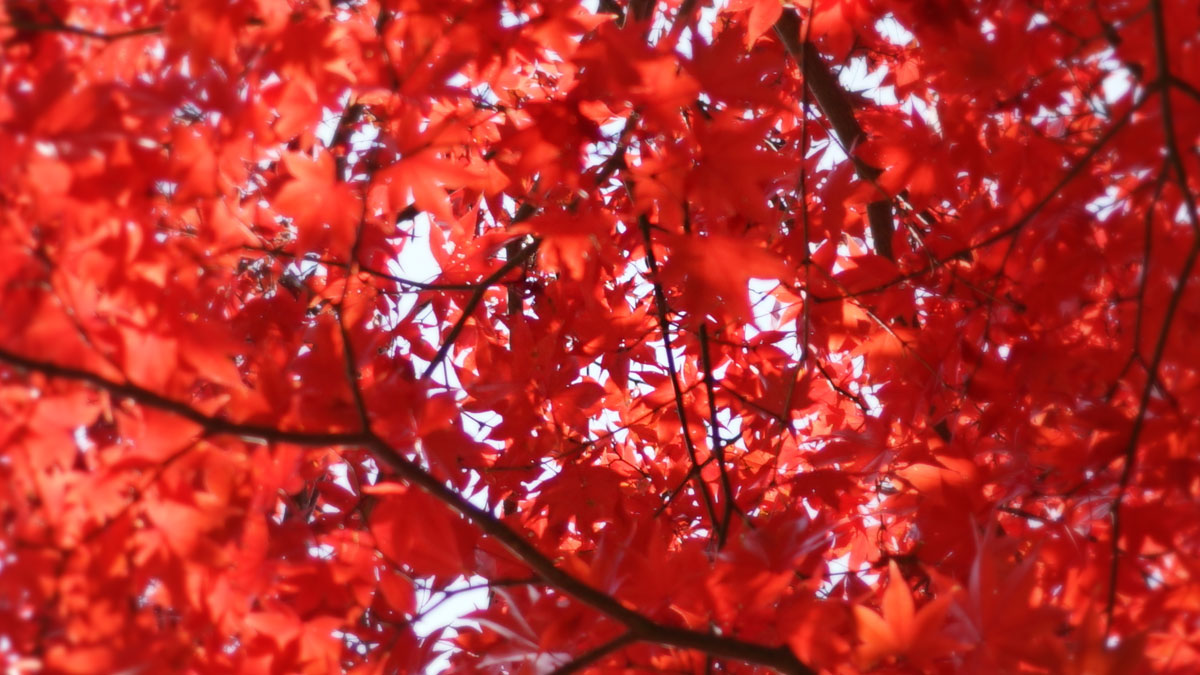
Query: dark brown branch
[
  {"x": 641, "y": 10},
  {"x": 718, "y": 447},
  {"x": 617, "y": 159},
  {"x": 329, "y": 262},
  {"x": 446, "y": 594},
  {"x": 595, "y": 654},
  {"x": 1160, "y": 345},
  {"x": 834, "y": 104},
  {"x": 845, "y": 393},
  {"x": 582, "y": 444},
  {"x": 1184, "y": 86},
  {"x": 36, "y": 27},
  {"x": 836, "y": 107},
  {"x": 779, "y": 658},
  {"x": 779, "y": 417},
  {"x": 407, "y": 213},
  {"x": 56, "y": 27},
  {"x": 664, "y": 325},
  {"x": 802, "y": 186},
  {"x": 473, "y": 302},
  {"x": 210, "y": 425},
  {"x": 1139, "y": 420},
  {"x": 1147, "y": 249},
  {"x": 683, "y": 17},
  {"x": 1174, "y": 156},
  {"x": 672, "y": 494},
  {"x": 1075, "y": 169},
  {"x": 139, "y": 491},
  {"x": 349, "y": 361}
]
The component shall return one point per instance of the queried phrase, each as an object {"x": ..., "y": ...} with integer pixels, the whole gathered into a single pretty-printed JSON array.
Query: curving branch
[
  {"x": 779, "y": 658},
  {"x": 595, "y": 654}
]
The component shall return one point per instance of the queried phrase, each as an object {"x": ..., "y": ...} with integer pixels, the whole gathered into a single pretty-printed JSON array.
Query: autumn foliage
[{"x": 796, "y": 335}]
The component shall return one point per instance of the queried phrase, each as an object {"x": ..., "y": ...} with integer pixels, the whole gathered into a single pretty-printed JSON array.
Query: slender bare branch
[
  {"x": 473, "y": 302},
  {"x": 1160, "y": 345},
  {"x": 660, "y": 303}
]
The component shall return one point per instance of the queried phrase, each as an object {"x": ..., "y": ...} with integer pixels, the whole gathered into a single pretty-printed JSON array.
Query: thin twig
[
  {"x": 664, "y": 325},
  {"x": 1075, "y": 169},
  {"x": 473, "y": 302},
  {"x": 1173, "y": 156},
  {"x": 718, "y": 447}
]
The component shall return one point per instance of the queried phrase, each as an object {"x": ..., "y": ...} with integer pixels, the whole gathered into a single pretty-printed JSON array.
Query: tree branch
[
  {"x": 660, "y": 303},
  {"x": 1160, "y": 345},
  {"x": 779, "y": 658},
  {"x": 836, "y": 107},
  {"x": 595, "y": 654},
  {"x": 710, "y": 384},
  {"x": 718, "y": 447},
  {"x": 36, "y": 27},
  {"x": 473, "y": 302}
]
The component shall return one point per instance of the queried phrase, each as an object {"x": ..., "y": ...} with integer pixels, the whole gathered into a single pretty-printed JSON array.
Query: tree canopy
[{"x": 763, "y": 335}]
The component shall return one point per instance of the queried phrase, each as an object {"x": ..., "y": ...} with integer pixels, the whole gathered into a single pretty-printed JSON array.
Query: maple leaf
[
  {"x": 324, "y": 209},
  {"x": 411, "y": 527},
  {"x": 731, "y": 168},
  {"x": 325, "y": 322},
  {"x": 762, "y": 16},
  {"x": 900, "y": 629},
  {"x": 714, "y": 274}
]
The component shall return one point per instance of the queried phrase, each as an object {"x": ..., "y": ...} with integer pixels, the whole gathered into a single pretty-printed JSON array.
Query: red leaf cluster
[{"x": 627, "y": 335}]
